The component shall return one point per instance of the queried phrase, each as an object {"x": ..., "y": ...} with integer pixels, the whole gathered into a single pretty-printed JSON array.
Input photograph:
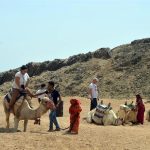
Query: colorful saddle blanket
[
  {"x": 8, "y": 96},
  {"x": 100, "y": 110}
]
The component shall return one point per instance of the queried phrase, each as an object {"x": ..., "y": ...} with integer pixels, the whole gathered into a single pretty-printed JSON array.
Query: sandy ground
[{"x": 90, "y": 137}]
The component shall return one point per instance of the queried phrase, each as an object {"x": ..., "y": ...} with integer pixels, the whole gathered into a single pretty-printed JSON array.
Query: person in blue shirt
[{"x": 56, "y": 98}]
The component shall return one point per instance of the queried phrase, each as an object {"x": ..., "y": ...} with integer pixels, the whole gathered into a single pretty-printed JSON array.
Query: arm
[
  {"x": 90, "y": 93},
  {"x": 27, "y": 83},
  {"x": 59, "y": 101},
  {"x": 28, "y": 79},
  {"x": 38, "y": 94}
]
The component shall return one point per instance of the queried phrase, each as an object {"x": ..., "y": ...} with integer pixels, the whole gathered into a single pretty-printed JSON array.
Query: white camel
[
  {"x": 103, "y": 115},
  {"x": 128, "y": 113},
  {"x": 148, "y": 116},
  {"x": 25, "y": 111}
]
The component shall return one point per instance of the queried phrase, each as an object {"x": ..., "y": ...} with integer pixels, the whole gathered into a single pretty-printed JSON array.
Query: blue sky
[{"x": 40, "y": 30}]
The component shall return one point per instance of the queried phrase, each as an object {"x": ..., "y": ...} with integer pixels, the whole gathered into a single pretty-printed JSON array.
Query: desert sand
[{"x": 90, "y": 137}]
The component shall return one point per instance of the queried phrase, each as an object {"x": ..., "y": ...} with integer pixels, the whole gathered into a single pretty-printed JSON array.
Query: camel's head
[
  {"x": 127, "y": 112},
  {"x": 108, "y": 108},
  {"x": 131, "y": 105},
  {"x": 47, "y": 103},
  {"x": 123, "y": 110}
]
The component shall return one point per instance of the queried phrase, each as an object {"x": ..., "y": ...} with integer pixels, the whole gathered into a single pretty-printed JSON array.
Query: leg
[
  {"x": 16, "y": 122},
  {"x": 15, "y": 94},
  {"x": 93, "y": 103},
  {"x": 91, "y": 106},
  {"x": 55, "y": 121},
  {"x": 51, "y": 120},
  {"x": 7, "y": 113},
  {"x": 7, "y": 119},
  {"x": 75, "y": 126},
  {"x": 25, "y": 125}
]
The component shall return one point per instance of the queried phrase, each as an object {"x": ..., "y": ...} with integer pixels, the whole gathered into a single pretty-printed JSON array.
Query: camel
[
  {"x": 25, "y": 111},
  {"x": 148, "y": 116},
  {"x": 103, "y": 115},
  {"x": 127, "y": 113}
]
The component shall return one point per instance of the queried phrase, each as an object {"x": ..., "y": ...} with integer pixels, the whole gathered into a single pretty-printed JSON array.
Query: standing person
[
  {"x": 40, "y": 91},
  {"x": 40, "y": 94},
  {"x": 140, "y": 108},
  {"x": 56, "y": 98},
  {"x": 93, "y": 93},
  {"x": 20, "y": 85},
  {"x": 74, "y": 111}
]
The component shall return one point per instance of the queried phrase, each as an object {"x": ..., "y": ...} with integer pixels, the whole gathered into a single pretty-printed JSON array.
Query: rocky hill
[
  {"x": 122, "y": 72},
  {"x": 37, "y": 68}
]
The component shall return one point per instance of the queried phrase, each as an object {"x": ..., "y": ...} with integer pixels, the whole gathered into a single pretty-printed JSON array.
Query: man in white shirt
[
  {"x": 19, "y": 85},
  {"x": 93, "y": 93}
]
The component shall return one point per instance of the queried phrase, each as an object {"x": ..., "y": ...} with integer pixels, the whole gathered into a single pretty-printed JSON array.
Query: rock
[
  {"x": 141, "y": 41},
  {"x": 102, "y": 53}
]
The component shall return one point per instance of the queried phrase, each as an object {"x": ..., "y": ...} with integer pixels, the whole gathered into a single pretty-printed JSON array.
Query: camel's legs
[
  {"x": 25, "y": 125},
  {"x": 16, "y": 122},
  {"x": 7, "y": 119},
  {"x": 7, "y": 113}
]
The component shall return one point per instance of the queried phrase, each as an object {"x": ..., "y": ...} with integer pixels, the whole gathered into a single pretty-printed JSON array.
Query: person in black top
[{"x": 56, "y": 98}]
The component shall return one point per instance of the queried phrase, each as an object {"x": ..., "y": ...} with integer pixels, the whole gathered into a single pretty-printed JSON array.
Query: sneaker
[
  {"x": 57, "y": 129},
  {"x": 50, "y": 130}
]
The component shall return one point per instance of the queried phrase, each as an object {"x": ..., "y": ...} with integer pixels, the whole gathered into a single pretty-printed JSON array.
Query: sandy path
[{"x": 90, "y": 136}]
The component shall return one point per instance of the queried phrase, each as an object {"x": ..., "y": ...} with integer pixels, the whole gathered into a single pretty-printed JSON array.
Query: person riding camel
[{"x": 20, "y": 85}]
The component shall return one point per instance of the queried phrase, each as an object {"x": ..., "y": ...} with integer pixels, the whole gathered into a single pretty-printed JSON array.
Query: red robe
[
  {"x": 74, "y": 111},
  {"x": 140, "y": 113}
]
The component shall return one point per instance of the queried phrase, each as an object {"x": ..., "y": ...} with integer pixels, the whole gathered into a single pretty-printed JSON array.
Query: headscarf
[
  {"x": 139, "y": 99},
  {"x": 75, "y": 102}
]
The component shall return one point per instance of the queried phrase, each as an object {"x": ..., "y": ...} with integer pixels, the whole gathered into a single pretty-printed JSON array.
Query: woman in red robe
[
  {"x": 74, "y": 111},
  {"x": 140, "y": 108}
]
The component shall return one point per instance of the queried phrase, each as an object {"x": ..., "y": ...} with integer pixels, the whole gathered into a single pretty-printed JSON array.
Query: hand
[
  {"x": 57, "y": 105},
  {"x": 46, "y": 92},
  {"x": 22, "y": 89},
  {"x": 89, "y": 97},
  {"x": 34, "y": 96}
]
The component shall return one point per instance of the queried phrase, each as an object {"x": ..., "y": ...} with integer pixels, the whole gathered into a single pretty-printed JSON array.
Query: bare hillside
[{"x": 122, "y": 72}]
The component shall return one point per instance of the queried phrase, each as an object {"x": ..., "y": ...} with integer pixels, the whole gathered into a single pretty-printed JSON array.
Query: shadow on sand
[
  {"x": 39, "y": 132},
  {"x": 10, "y": 130}
]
